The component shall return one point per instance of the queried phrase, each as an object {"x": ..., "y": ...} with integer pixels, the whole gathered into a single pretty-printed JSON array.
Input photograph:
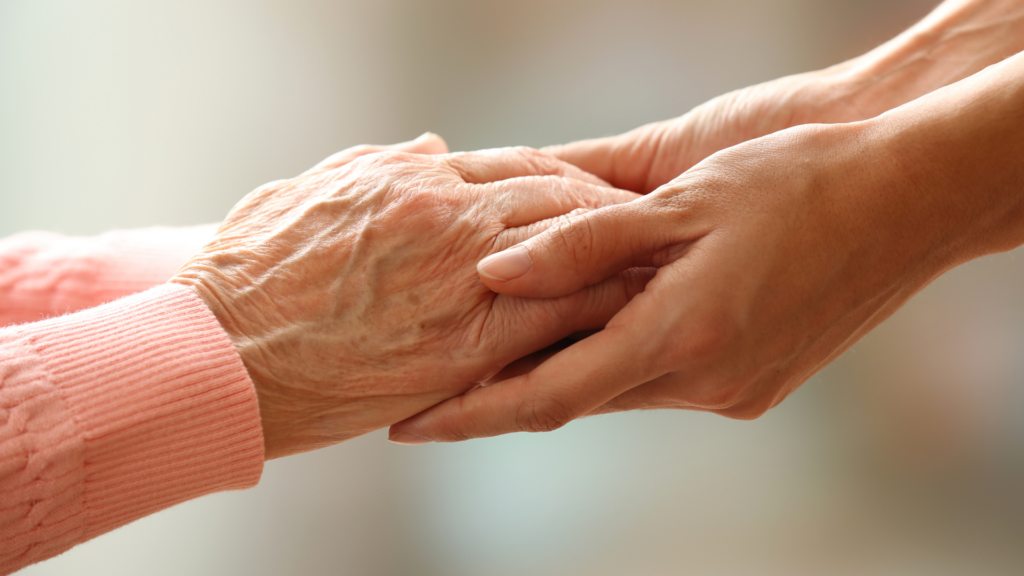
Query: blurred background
[{"x": 904, "y": 457}]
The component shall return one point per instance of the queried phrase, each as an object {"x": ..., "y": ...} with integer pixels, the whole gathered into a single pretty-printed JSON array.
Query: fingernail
[
  {"x": 406, "y": 439},
  {"x": 507, "y": 265},
  {"x": 424, "y": 137}
]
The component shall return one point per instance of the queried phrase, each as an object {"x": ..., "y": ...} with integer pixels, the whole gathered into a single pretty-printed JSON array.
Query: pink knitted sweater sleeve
[
  {"x": 117, "y": 411},
  {"x": 44, "y": 274}
]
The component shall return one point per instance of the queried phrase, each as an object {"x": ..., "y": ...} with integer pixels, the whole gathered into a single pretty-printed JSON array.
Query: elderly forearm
[
  {"x": 113, "y": 413},
  {"x": 958, "y": 39}
]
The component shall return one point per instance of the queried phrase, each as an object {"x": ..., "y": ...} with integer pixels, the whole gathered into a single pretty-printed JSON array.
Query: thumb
[
  {"x": 625, "y": 161},
  {"x": 581, "y": 251}
]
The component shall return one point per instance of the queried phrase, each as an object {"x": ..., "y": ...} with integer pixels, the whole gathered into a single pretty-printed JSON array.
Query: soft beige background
[{"x": 905, "y": 457}]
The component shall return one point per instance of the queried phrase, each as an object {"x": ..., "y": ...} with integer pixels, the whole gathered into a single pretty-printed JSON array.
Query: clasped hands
[
  {"x": 407, "y": 287},
  {"x": 352, "y": 293}
]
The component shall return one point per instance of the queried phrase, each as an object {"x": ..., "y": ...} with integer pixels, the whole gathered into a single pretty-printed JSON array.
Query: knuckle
[
  {"x": 746, "y": 411},
  {"x": 384, "y": 158},
  {"x": 383, "y": 164},
  {"x": 543, "y": 414},
  {"x": 576, "y": 238},
  {"x": 527, "y": 151},
  {"x": 744, "y": 395},
  {"x": 708, "y": 342},
  {"x": 564, "y": 219},
  {"x": 680, "y": 199},
  {"x": 634, "y": 280},
  {"x": 456, "y": 435},
  {"x": 422, "y": 209},
  {"x": 763, "y": 394},
  {"x": 453, "y": 428},
  {"x": 567, "y": 310},
  {"x": 544, "y": 163},
  {"x": 723, "y": 398},
  {"x": 379, "y": 170},
  {"x": 566, "y": 191}
]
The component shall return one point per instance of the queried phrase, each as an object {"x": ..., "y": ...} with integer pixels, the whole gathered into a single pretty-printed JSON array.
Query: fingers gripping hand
[
  {"x": 581, "y": 251},
  {"x": 584, "y": 251},
  {"x": 772, "y": 258},
  {"x": 352, "y": 296}
]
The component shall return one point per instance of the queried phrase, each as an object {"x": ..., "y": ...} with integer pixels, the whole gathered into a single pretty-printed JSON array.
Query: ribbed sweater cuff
[{"x": 161, "y": 400}]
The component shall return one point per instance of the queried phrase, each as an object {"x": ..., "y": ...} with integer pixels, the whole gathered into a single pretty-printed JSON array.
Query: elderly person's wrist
[
  {"x": 958, "y": 39},
  {"x": 246, "y": 343},
  {"x": 351, "y": 294}
]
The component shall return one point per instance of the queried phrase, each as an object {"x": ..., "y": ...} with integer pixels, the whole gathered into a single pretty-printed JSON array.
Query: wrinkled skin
[
  {"x": 351, "y": 292},
  {"x": 957, "y": 40},
  {"x": 773, "y": 257}
]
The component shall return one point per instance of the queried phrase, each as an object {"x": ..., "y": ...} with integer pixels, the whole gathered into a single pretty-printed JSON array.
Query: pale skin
[
  {"x": 351, "y": 295},
  {"x": 776, "y": 247}
]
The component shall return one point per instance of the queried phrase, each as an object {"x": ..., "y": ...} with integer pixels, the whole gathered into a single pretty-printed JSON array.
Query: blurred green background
[{"x": 904, "y": 457}]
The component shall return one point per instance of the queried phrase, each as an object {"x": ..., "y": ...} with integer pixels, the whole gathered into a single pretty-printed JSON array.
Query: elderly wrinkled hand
[{"x": 351, "y": 291}]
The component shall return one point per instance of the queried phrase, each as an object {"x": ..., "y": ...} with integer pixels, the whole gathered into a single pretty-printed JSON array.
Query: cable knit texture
[
  {"x": 43, "y": 274},
  {"x": 112, "y": 413}
]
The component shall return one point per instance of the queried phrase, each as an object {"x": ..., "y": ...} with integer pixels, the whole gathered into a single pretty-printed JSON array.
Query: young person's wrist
[{"x": 951, "y": 159}]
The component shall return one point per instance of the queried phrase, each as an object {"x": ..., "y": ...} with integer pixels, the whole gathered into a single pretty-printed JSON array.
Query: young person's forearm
[
  {"x": 958, "y": 39},
  {"x": 955, "y": 156}
]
